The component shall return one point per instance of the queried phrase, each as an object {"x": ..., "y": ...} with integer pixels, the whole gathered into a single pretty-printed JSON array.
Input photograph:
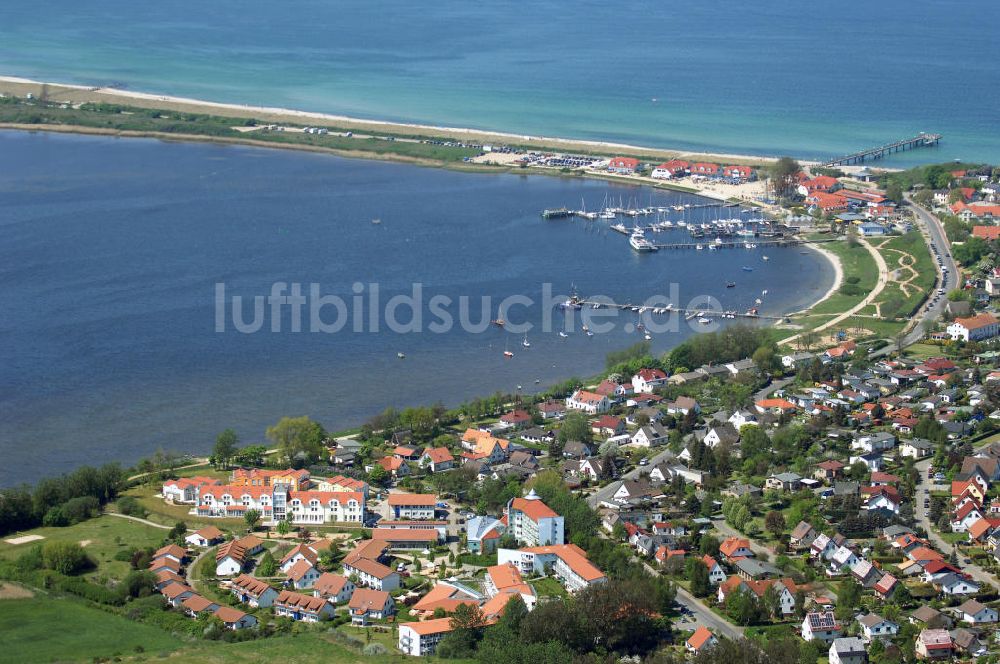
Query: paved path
[
  {"x": 702, "y": 615},
  {"x": 883, "y": 279},
  {"x": 197, "y": 462},
  {"x": 145, "y": 522},
  {"x": 189, "y": 570}
]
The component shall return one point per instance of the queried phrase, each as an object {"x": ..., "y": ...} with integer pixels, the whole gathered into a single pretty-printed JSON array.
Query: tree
[
  {"x": 225, "y": 448},
  {"x": 284, "y": 527},
  {"x": 377, "y": 475},
  {"x": 299, "y": 439},
  {"x": 772, "y": 601},
  {"x": 467, "y": 623},
  {"x": 576, "y": 427},
  {"x": 765, "y": 359},
  {"x": 709, "y": 545},
  {"x": 697, "y": 574},
  {"x": 252, "y": 517},
  {"x": 783, "y": 176},
  {"x": 267, "y": 565},
  {"x": 743, "y": 607},
  {"x": 894, "y": 191},
  {"x": 848, "y": 598},
  {"x": 775, "y": 523}
]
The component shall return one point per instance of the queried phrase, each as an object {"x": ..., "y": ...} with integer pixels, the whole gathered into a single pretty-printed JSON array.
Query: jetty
[
  {"x": 731, "y": 244},
  {"x": 921, "y": 140},
  {"x": 556, "y": 213},
  {"x": 688, "y": 314}
]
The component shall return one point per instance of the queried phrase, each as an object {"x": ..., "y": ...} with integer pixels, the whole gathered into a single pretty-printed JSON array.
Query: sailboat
[
  {"x": 526, "y": 343},
  {"x": 499, "y": 321},
  {"x": 506, "y": 353}
]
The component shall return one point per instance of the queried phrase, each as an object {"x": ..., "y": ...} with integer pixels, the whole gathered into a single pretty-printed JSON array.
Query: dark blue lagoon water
[
  {"x": 113, "y": 248},
  {"x": 758, "y": 77}
]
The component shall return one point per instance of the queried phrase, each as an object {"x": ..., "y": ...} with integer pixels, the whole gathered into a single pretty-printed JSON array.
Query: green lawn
[
  {"x": 548, "y": 587},
  {"x": 168, "y": 515},
  {"x": 105, "y": 536},
  {"x": 857, "y": 263},
  {"x": 43, "y": 629}
]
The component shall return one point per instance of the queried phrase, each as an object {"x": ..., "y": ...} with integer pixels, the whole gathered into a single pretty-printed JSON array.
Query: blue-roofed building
[{"x": 482, "y": 534}]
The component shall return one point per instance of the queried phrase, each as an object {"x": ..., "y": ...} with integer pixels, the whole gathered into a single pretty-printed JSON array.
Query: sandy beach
[{"x": 74, "y": 94}]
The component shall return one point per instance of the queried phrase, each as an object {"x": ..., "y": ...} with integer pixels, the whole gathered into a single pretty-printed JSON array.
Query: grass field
[
  {"x": 105, "y": 536},
  {"x": 44, "y": 629},
  {"x": 168, "y": 515},
  {"x": 856, "y": 262}
]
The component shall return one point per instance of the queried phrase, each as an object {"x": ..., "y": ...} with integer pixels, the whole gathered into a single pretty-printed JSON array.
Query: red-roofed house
[
  {"x": 776, "y": 406},
  {"x": 623, "y": 165},
  {"x": 738, "y": 173},
  {"x": 588, "y": 402},
  {"x": 986, "y": 232},
  {"x": 820, "y": 183},
  {"x": 648, "y": 380},
  {"x": 533, "y": 523},
  {"x": 437, "y": 459},
  {"x": 982, "y": 326},
  {"x": 705, "y": 169},
  {"x": 701, "y": 640},
  {"x": 675, "y": 168},
  {"x": 735, "y": 547}
]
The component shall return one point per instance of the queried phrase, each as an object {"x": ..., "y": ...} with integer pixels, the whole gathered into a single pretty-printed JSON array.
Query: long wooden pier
[{"x": 919, "y": 141}]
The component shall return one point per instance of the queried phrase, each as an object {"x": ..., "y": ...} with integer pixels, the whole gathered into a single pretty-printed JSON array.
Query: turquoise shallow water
[
  {"x": 763, "y": 78},
  {"x": 112, "y": 250}
]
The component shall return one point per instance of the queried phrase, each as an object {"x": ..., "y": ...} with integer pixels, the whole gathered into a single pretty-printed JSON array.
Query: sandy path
[{"x": 883, "y": 279}]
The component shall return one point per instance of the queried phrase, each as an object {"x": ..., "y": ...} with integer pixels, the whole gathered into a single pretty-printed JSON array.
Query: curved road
[{"x": 934, "y": 232}]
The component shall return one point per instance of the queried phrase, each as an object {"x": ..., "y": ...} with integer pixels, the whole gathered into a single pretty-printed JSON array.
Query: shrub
[
  {"x": 374, "y": 650},
  {"x": 65, "y": 557},
  {"x": 130, "y": 506},
  {"x": 81, "y": 508}
]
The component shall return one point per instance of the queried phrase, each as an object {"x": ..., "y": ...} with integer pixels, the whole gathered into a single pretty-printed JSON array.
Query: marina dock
[{"x": 689, "y": 314}]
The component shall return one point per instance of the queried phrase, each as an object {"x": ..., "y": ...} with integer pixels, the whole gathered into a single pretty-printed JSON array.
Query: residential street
[
  {"x": 922, "y": 515},
  {"x": 605, "y": 493}
]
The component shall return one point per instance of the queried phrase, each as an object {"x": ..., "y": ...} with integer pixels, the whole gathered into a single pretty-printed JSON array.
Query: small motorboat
[
  {"x": 704, "y": 321},
  {"x": 563, "y": 335},
  {"x": 747, "y": 268},
  {"x": 730, "y": 284},
  {"x": 401, "y": 355}
]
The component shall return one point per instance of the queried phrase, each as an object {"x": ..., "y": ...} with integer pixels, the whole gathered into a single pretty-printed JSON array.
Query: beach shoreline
[{"x": 74, "y": 94}]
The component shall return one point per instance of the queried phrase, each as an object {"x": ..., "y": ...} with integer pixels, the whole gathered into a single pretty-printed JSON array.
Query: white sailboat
[
  {"x": 506, "y": 353},
  {"x": 526, "y": 343}
]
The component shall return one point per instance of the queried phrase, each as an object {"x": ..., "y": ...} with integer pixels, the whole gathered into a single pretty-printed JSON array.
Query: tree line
[{"x": 60, "y": 501}]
